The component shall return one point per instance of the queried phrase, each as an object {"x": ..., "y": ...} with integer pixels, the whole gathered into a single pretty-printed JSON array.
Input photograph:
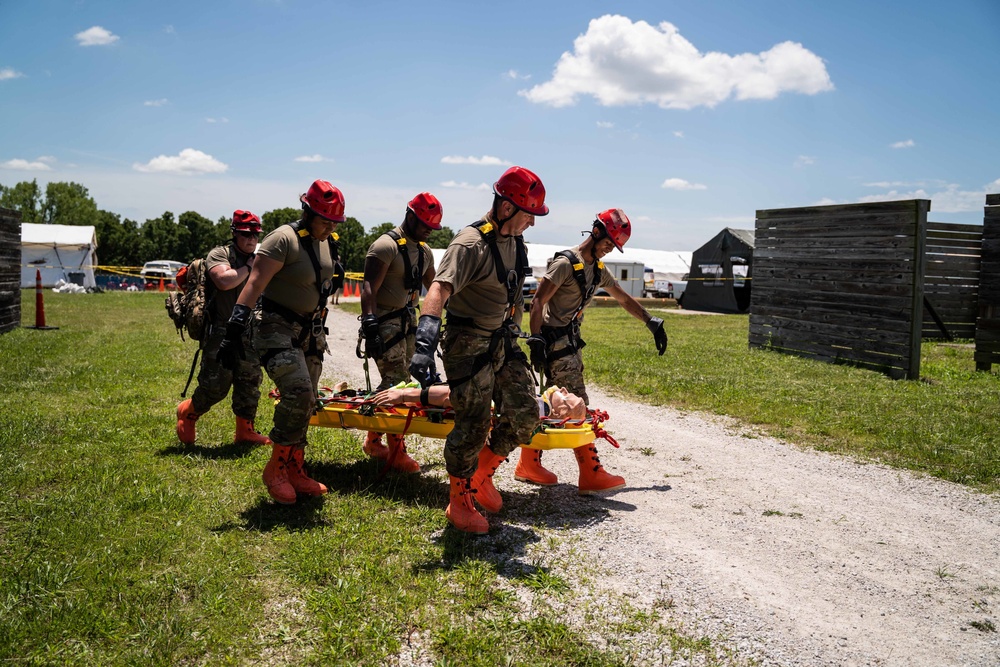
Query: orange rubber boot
[
  {"x": 398, "y": 458},
  {"x": 373, "y": 446},
  {"x": 593, "y": 477},
  {"x": 461, "y": 513},
  {"x": 245, "y": 432},
  {"x": 276, "y": 475},
  {"x": 186, "y": 417},
  {"x": 298, "y": 478},
  {"x": 482, "y": 482},
  {"x": 529, "y": 468}
]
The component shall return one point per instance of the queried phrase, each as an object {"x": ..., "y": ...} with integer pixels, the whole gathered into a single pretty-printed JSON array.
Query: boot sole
[
  {"x": 534, "y": 481},
  {"x": 596, "y": 492}
]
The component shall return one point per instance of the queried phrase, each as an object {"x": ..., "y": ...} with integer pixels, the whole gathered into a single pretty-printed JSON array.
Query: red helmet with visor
[
  {"x": 324, "y": 200},
  {"x": 245, "y": 221},
  {"x": 615, "y": 225},
  {"x": 523, "y": 189},
  {"x": 427, "y": 209}
]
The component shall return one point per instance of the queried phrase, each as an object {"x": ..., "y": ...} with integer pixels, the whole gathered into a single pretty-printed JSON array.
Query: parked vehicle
[
  {"x": 529, "y": 289},
  {"x": 162, "y": 269}
]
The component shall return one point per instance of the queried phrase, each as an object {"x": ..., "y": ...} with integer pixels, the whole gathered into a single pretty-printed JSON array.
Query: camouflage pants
[
  {"x": 293, "y": 361},
  {"x": 394, "y": 364},
  {"x": 214, "y": 381},
  {"x": 566, "y": 371},
  {"x": 505, "y": 382}
]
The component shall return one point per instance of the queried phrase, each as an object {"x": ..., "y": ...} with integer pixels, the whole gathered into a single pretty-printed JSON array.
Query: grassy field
[{"x": 120, "y": 546}]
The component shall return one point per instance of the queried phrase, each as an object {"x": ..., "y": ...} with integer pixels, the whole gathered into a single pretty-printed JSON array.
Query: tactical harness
[
  {"x": 412, "y": 281},
  {"x": 315, "y": 321},
  {"x": 513, "y": 281},
  {"x": 210, "y": 292},
  {"x": 572, "y": 330}
]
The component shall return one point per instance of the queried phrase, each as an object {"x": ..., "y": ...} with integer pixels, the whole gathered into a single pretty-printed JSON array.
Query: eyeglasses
[{"x": 248, "y": 235}]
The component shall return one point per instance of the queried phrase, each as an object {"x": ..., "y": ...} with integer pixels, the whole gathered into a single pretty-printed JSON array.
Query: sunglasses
[{"x": 248, "y": 235}]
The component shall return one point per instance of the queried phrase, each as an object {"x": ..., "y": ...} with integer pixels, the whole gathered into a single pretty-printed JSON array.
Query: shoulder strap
[
  {"x": 586, "y": 291},
  {"x": 512, "y": 283},
  {"x": 411, "y": 278},
  {"x": 311, "y": 251}
]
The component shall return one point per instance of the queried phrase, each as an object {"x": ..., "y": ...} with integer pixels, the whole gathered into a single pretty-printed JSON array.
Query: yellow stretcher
[{"x": 350, "y": 412}]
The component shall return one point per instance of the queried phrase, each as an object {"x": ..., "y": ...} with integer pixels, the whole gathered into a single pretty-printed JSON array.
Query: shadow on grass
[
  {"x": 226, "y": 451},
  {"x": 267, "y": 515}
]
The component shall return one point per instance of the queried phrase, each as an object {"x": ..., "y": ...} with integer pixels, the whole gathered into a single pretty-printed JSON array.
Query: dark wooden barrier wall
[
  {"x": 842, "y": 283},
  {"x": 10, "y": 269},
  {"x": 951, "y": 280},
  {"x": 988, "y": 326}
]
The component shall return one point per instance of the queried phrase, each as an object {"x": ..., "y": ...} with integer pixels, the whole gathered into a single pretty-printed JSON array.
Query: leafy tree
[
  {"x": 352, "y": 244},
  {"x": 278, "y": 217},
  {"x": 163, "y": 238},
  {"x": 69, "y": 204},
  {"x": 440, "y": 238},
  {"x": 377, "y": 232},
  {"x": 117, "y": 241},
  {"x": 25, "y": 198},
  {"x": 201, "y": 234}
]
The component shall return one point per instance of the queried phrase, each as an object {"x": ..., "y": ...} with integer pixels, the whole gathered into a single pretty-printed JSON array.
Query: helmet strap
[{"x": 497, "y": 199}]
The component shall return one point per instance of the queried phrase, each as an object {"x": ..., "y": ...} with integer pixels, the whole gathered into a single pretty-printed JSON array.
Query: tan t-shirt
[
  {"x": 294, "y": 285},
  {"x": 468, "y": 267},
  {"x": 559, "y": 310},
  {"x": 224, "y": 300},
  {"x": 392, "y": 294}
]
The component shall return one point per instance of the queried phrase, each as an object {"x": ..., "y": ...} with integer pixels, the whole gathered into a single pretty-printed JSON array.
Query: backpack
[{"x": 188, "y": 308}]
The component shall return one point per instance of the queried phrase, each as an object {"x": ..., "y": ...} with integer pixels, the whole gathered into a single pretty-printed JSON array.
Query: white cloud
[
  {"x": 949, "y": 199},
  {"x": 678, "y": 134},
  {"x": 18, "y": 164},
  {"x": 7, "y": 73},
  {"x": 223, "y": 119},
  {"x": 681, "y": 184},
  {"x": 619, "y": 62},
  {"x": 826, "y": 201},
  {"x": 804, "y": 161},
  {"x": 605, "y": 124},
  {"x": 464, "y": 186},
  {"x": 484, "y": 161},
  {"x": 155, "y": 103},
  {"x": 188, "y": 161},
  {"x": 96, "y": 36},
  {"x": 909, "y": 143},
  {"x": 993, "y": 187},
  {"x": 47, "y": 159},
  {"x": 895, "y": 184},
  {"x": 313, "y": 158},
  {"x": 515, "y": 75},
  {"x": 169, "y": 29}
]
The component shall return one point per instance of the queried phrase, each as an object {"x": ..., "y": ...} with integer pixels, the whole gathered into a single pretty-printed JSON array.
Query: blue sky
[{"x": 689, "y": 115}]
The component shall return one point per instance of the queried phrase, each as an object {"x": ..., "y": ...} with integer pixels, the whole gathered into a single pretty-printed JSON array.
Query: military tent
[
  {"x": 720, "y": 276},
  {"x": 59, "y": 252}
]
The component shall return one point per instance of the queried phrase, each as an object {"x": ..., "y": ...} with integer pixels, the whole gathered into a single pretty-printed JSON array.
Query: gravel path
[{"x": 785, "y": 556}]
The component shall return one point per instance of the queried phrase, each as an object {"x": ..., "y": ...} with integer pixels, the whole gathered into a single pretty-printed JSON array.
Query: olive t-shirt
[
  {"x": 294, "y": 285},
  {"x": 224, "y": 300},
  {"x": 392, "y": 294},
  {"x": 468, "y": 267},
  {"x": 559, "y": 310}
]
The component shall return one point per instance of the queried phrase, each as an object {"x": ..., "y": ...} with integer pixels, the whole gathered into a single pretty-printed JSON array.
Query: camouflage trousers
[
  {"x": 394, "y": 364},
  {"x": 293, "y": 359},
  {"x": 567, "y": 371},
  {"x": 214, "y": 381},
  {"x": 503, "y": 385}
]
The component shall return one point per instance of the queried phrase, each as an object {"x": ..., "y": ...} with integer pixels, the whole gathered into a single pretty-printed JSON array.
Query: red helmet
[
  {"x": 523, "y": 189},
  {"x": 428, "y": 209},
  {"x": 245, "y": 221},
  {"x": 616, "y": 226},
  {"x": 325, "y": 201}
]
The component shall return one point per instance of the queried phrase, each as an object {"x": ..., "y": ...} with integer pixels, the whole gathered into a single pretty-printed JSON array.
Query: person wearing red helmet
[
  {"x": 228, "y": 268},
  {"x": 399, "y": 264},
  {"x": 480, "y": 279},
  {"x": 293, "y": 276},
  {"x": 556, "y": 347}
]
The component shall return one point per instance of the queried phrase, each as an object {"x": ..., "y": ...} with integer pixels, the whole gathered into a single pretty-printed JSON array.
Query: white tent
[
  {"x": 671, "y": 263},
  {"x": 60, "y": 252}
]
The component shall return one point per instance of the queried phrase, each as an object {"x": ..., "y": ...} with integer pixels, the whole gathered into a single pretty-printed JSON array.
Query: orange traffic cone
[
  {"x": 39, "y": 304},
  {"x": 347, "y": 288},
  {"x": 357, "y": 289}
]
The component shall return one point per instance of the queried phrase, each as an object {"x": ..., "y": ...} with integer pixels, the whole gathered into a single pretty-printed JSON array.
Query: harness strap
[
  {"x": 511, "y": 352},
  {"x": 411, "y": 279},
  {"x": 580, "y": 274}
]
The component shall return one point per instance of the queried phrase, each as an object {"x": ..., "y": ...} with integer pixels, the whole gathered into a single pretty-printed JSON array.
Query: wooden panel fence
[
  {"x": 988, "y": 325},
  {"x": 951, "y": 280},
  {"x": 10, "y": 269},
  {"x": 842, "y": 284}
]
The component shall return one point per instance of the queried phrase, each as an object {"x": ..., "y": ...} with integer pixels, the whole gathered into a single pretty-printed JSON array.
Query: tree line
[{"x": 125, "y": 242}]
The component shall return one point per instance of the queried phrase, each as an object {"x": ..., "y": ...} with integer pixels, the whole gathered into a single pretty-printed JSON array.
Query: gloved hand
[
  {"x": 422, "y": 366},
  {"x": 231, "y": 350},
  {"x": 374, "y": 345},
  {"x": 536, "y": 345},
  {"x": 655, "y": 324}
]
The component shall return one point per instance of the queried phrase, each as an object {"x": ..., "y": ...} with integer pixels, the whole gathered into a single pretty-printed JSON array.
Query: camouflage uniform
[
  {"x": 214, "y": 381},
  {"x": 393, "y": 297},
  {"x": 564, "y": 367},
  {"x": 477, "y": 333},
  {"x": 290, "y": 343}
]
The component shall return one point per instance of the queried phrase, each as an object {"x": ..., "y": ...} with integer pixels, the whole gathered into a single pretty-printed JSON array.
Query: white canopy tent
[{"x": 60, "y": 252}]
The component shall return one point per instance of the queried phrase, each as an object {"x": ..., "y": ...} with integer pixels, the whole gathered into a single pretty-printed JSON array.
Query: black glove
[
  {"x": 422, "y": 366},
  {"x": 374, "y": 345},
  {"x": 231, "y": 350},
  {"x": 536, "y": 345},
  {"x": 655, "y": 324}
]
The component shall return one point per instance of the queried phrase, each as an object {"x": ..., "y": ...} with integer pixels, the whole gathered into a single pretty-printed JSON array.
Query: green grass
[
  {"x": 120, "y": 546},
  {"x": 946, "y": 425}
]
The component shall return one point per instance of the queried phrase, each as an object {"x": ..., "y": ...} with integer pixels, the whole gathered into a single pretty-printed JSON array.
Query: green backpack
[{"x": 188, "y": 308}]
